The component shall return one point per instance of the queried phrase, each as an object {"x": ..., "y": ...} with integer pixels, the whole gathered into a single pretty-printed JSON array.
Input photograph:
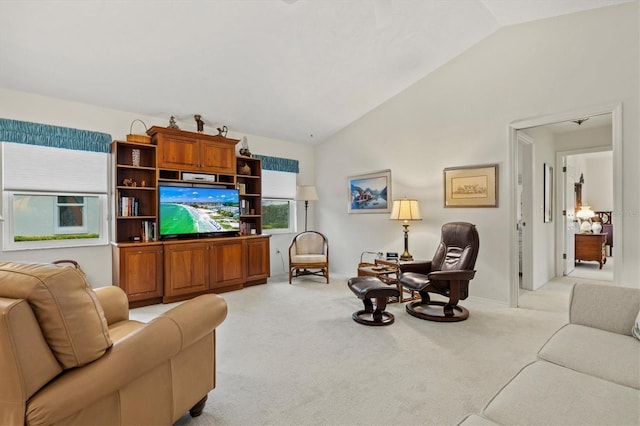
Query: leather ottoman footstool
[{"x": 368, "y": 288}]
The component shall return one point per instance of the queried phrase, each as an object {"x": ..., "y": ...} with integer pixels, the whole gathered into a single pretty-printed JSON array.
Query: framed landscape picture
[
  {"x": 370, "y": 193},
  {"x": 471, "y": 186}
]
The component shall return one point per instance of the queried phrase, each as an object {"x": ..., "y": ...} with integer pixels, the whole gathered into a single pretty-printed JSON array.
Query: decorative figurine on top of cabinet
[
  {"x": 222, "y": 131},
  {"x": 173, "y": 124},
  {"x": 244, "y": 147},
  {"x": 199, "y": 123}
]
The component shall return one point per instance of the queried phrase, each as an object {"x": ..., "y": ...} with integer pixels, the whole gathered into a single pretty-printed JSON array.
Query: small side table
[{"x": 387, "y": 272}]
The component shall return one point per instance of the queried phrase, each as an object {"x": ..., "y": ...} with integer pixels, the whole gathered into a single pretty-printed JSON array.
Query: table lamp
[
  {"x": 306, "y": 193},
  {"x": 405, "y": 210},
  {"x": 585, "y": 214}
]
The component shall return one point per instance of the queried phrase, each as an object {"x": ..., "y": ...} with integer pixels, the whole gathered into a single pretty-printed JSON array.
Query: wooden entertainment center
[{"x": 151, "y": 270}]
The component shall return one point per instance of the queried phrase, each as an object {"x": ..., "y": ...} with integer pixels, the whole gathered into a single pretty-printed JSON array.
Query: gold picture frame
[{"x": 471, "y": 186}]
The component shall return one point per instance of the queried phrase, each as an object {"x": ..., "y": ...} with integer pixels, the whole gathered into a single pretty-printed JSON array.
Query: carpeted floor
[
  {"x": 292, "y": 355},
  {"x": 591, "y": 270}
]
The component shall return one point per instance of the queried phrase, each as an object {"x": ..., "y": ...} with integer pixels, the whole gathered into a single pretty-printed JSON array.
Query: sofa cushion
[
  {"x": 67, "y": 310},
  {"x": 636, "y": 327},
  {"x": 591, "y": 351},
  {"x": 607, "y": 308},
  {"x": 543, "y": 393}
]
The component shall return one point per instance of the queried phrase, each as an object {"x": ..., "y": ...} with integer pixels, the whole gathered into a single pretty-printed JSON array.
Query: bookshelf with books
[
  {"x": 137, "y": 256},
  {"x": 135, "y": 191},
  {"x": 249, "y": 184}
]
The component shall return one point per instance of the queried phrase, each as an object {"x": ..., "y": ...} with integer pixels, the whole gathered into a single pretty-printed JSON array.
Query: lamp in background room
[
  {"x": 405, "y": 210},
  {"x": 584, "y": 215},
  {"x": 306, "y": 193}
]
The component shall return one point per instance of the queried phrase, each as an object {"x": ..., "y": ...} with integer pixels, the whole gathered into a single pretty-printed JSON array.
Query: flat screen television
[{"x": 192, "y": 212}]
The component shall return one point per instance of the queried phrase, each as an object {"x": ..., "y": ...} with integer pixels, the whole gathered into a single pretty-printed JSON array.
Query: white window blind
[
  {"x": 278, "y": 184},
  {"x": 40, "y": 168}
]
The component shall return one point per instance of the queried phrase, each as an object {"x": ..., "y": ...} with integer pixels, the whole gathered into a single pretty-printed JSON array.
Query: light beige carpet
[
  {"x": 591, "y": 270},
  {"x": 292, "y": 355}
]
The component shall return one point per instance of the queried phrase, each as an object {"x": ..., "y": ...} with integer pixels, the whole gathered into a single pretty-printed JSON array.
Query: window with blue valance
[
  {"x": 55, "y": 183},
  {"x": 278, "y": 191}
]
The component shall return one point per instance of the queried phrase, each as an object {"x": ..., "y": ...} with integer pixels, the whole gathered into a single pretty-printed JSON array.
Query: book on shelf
[
  {"x": 128, "y": 206},
  {"x": 244, "y": 207},
  {"x": 247, "y": 228},
  {"x": 148, "y": 230}
]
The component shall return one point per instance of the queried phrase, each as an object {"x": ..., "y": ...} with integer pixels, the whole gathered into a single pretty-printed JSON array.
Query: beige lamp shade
[
  {"x": 405, "y": 209},
  {"x": 306, "y": 193},
  {"x": 585, "y": 213}
]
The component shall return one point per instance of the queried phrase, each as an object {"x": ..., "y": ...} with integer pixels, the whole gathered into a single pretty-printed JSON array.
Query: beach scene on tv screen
[{"x": 198, "y": 210}]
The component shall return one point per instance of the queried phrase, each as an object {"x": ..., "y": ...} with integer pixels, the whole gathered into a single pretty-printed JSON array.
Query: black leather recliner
[{"x": 447, "y": 274}]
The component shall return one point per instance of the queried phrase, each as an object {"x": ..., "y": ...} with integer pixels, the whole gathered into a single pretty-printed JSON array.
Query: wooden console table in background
[{"x": 591, "y": 247}]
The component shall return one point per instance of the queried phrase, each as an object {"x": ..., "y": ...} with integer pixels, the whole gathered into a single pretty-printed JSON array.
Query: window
[
  {"x": 278, "y": 215},
  {"x": 71, "y": 215},
  {"x": 278, "y": 206},
  {"x": 53, "y": 197},
  {"x": 41, "y": 220}
]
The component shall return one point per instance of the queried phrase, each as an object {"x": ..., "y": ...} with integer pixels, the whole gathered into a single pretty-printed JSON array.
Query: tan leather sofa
[{"x": 71, "y": 355}]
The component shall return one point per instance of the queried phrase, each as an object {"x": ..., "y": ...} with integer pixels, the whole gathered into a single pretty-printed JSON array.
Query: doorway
[
  {"x": 548, "y": 240},
  {"x": 588, "y": 185}
]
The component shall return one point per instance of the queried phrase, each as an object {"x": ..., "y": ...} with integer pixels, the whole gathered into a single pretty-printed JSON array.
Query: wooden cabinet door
[
  {"x": 227, "y": 264},
  {"x": 141, "y": 272},
  {"x": 258, "y": 266},
  {"x": 217, "y": 157},
  {"x": 590, "y": 247},
  {"x": 186, "y": 269},
  {"x": 175, "y": 152}
]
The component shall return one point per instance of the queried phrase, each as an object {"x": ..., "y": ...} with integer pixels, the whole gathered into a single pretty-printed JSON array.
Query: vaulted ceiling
[{"x": 297, "y": 70}]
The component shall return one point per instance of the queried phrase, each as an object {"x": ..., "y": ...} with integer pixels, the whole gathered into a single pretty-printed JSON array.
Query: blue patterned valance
[
  {"x": 53, "y": 136},
  {"x": 278, "y": 164}
]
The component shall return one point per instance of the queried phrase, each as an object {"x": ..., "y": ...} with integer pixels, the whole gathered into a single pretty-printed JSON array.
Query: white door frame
[
  {"x": 616, "y": 127},
  {"x": 526, "y": 159}
]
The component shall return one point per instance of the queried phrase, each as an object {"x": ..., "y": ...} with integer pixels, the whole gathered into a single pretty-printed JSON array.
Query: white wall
[
  {"x": 543, "y": 233},
  {"x": 597, "y": 190},
  {"x": 599, "y": 174},
  {"x": 460, "y": 114},
  {"x": 96, "y": 261}
]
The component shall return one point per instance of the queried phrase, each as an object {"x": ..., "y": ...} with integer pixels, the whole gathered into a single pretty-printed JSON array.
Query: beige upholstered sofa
[
  {"x": 70, "y": 355},
  {"x": 588, "y": 372}
]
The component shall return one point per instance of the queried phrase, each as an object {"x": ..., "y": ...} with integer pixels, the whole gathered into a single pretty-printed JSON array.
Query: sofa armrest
[
  {"x": 198, "y": 316},
  {"x": 608, "y": 308},
  {"x": 114, "y": 303}
]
